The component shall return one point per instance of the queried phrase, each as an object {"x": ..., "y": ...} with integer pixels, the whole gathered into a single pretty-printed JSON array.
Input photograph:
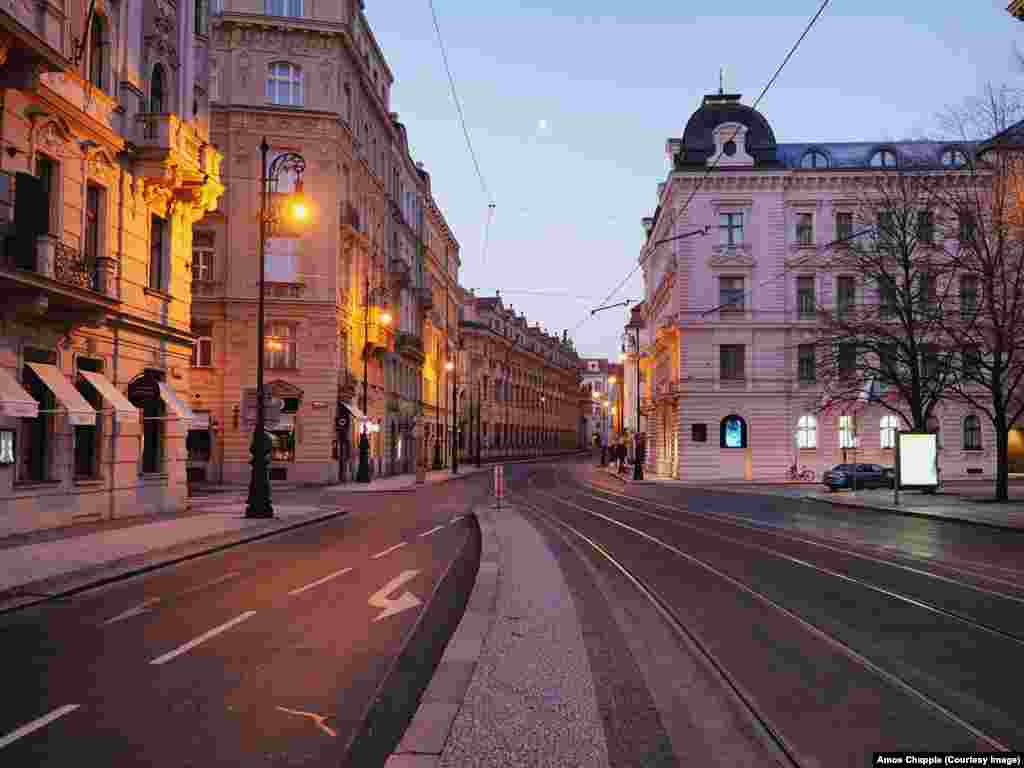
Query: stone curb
[
  {"x": 69, "y": 584},
  {"x": 424, "y": 739}
]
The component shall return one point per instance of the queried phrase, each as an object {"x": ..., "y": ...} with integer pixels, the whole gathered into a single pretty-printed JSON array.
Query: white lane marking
[
  {"x": 36, "y": 724},
  {"x": 202, "y": 638},
  {"x": 456, "y": 519},
  {"x": 435, "y": 529},
  {"x": 380, "y": 599},
  {"x": 318, "y": 719},
  {"x": 144, "y": 607},
  {"x": 204, "y": 585},
  {"x": 318, "y": 582},
  {"x": 389, "y": 550}
]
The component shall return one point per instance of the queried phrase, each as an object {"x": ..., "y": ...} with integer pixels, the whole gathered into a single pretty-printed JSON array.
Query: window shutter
[{"x": 31, "y": 217}]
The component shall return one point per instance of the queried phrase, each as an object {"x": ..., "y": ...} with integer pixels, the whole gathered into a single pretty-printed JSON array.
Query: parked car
[{"x": 858, "y": 476}]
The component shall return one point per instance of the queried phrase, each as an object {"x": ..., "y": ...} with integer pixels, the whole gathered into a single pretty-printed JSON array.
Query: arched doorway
[{"x": 734, "y": 450}]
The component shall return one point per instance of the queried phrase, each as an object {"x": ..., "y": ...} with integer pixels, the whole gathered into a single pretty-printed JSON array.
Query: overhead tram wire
[{"x": 710, "y": 168}]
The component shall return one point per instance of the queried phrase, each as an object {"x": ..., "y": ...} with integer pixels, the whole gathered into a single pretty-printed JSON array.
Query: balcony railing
[{"x": 72, "y": 267}]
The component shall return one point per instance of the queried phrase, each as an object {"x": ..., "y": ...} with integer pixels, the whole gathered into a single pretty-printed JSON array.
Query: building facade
[
  {"x": 106, "y": 165},
  {"x": 595, "y": 378},
  {"x": 518, "y": 385},
  {"x": 344, "y": 293},
  {"x": 729, "y": 394}
]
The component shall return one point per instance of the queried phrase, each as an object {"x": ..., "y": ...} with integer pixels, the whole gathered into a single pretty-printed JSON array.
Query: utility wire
[
  {"x": 458, "y": 105},
  {"x": 712, "y": 167}
]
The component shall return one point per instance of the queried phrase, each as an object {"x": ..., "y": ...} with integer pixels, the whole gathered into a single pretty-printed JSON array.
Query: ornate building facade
[
  {"x": 106, "y": 165},
  {"x": 731, "y": 390}
]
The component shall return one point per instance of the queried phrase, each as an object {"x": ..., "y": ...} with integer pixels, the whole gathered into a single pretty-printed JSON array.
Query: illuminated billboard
[{"x": 918, "y": 460}]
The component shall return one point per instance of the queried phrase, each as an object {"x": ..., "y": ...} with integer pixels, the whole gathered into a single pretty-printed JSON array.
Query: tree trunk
[{"x": 1002, "y": 458}]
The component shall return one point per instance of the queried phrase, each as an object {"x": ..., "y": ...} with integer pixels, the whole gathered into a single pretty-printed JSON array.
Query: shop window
[
  {"x": 733, "y": 432},
  {"x": 144, "y": 393},
  {"x": 199, "y": 445},
  {"x": 36, "y": 438},
  {"x": 88, "y": 437}
]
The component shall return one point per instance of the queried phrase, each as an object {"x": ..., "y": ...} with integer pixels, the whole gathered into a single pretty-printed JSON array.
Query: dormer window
[
  {"x": 814, "y": 159},
  {"x": 883, "y": 158},
  {"x": 954, "y": 158}
]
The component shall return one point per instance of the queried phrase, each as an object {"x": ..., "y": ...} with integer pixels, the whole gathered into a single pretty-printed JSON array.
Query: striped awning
[
  {"x": 80, "y": 413},
  {"x": 14, "y": 400},
  {"x": 175, "y": 404},
  {"x": 112, "y": 396}
]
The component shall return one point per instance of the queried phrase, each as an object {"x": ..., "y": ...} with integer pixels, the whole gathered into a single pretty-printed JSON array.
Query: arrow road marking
[
  {"x": 435, "y": 529},
  {"x": 388, "y": 551},
  {"x": 202, "y": 638},
  {"x": 318, "y": 719},
  {"x": 36, "y": 724},
  {"x": 143, "y": 607},
  {"x": 318, "y": 582},
  {"x": 380, "y": 599}
]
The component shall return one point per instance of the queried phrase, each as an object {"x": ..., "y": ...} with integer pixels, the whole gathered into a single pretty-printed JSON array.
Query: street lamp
[
  {"x": 636, "y": 322},
  {"x": 363, "y": 473},
  {"x": 297, "y": 210},
  {"x": 450, "y": 367}
]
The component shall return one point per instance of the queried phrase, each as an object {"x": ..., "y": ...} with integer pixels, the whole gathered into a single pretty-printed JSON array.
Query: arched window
[
  {"x": 953, "y": 158},
  {"x": 814, "y": 159},
  {"x": 883, "y": 158},
  {"x": 887, "y": 430},
  {"x": 97, "y": 50},
  {"x": 733, "y": 432},
  {"x": 156, "y": 90},
  {"x": 284, "y": 84},
  {"x": 807, "y": 432},
  {"x": 972, "y": 433}
]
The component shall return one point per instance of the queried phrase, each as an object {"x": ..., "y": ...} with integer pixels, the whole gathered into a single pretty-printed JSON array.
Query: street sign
[{"x": 499, "y": 483}]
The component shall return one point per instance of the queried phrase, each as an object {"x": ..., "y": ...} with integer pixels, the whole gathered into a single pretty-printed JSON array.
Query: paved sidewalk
[
  {"x": 514, "y": 687},
  {"x": 405, "y": 483},
  {"x": 966, "y": 502},
  {"x": 33, "y": 572}
]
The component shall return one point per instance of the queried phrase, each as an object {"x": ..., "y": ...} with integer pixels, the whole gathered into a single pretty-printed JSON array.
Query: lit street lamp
[
  {"x": 296, "y": 209},
  {"x": 363, "y": 473}
]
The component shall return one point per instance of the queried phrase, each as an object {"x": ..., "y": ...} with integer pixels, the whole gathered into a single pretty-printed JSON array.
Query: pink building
[{"x": 730, "y": 394}]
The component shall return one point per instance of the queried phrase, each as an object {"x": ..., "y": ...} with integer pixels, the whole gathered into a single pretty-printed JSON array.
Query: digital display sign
[{"x": 919, "y": 459}]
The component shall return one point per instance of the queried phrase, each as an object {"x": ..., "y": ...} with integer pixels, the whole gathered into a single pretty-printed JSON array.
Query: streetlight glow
[
  {"x": 385, "y": 318},
  {"x": 449, "y": 366}
]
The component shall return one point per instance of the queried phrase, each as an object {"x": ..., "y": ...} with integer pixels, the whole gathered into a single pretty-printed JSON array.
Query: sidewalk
[
  {"x": 60, "y": 563},
  {"x": 965, "y": 502},
  {"x": 405, "y": 483},
  {"x": 514, "y": 687}
]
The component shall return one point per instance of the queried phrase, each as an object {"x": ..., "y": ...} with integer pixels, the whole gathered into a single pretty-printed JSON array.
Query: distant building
[{"x": 595, "y": 379}]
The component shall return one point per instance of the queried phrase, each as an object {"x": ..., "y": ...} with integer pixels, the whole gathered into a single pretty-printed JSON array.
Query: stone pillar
[{"x": 46, "y": 255}]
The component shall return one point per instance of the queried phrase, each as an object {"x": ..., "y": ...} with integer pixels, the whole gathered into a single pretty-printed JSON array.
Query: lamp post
[
  {"x": 452, "y": 368},
  {"x": 258, "y": 504},
  {"x": 363, "y": 473},
  {"x": 479, "y": 417},
  {"x": 636, "y": 323}
]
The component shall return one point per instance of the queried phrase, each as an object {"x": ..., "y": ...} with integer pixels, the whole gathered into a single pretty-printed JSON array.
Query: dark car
[{"x": 854, "y": 476}]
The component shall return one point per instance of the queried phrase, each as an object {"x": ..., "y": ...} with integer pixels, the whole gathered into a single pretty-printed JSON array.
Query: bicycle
[{"x": 805, "y": 473}]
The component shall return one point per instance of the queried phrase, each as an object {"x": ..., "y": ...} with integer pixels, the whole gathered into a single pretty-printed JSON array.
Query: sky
[{"x": 569, "y": 104}]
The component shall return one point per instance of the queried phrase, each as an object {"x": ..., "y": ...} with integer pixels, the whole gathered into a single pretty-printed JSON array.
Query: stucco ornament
[{"x": 101, "y": 167}]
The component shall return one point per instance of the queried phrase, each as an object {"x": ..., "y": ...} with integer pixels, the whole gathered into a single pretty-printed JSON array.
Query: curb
[
  {"x": 129, "y": 572},
  {"x": 424, "y": 740},
  {"x": 397, "y": 699}
]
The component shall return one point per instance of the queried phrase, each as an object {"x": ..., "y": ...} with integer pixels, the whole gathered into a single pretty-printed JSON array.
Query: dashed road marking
[
  {"x": 210, "y": 583},
  {"x": 36, "y": 724},
  {"x": 456, "y": 519},
  {"x": 202, "y": 638},
  {"x": 144, "y": 607},
  {"x": 435, "y": 529},
  {"x": 318, "y": 719},
  {"x": 318, "y": 582},
  {"x": 389, "y": 550},
  {"x": 380, "y": 599}
]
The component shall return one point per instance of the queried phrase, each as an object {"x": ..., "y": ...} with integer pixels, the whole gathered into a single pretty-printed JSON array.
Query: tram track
[{"x": 982, "y": 736}]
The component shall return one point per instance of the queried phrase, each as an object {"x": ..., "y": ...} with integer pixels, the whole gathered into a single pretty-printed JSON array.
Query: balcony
[
  {"x": 177, "y": 162},
  {"x": 274, "y": 290}
]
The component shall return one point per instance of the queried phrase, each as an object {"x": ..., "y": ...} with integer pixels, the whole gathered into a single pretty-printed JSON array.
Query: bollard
[{"x": 499, "y": 483}]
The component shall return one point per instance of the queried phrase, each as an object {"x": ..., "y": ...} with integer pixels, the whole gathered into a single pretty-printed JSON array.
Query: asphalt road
[
  {"x": 266, "y": 654},
  {"x": 837, "y": 633}
]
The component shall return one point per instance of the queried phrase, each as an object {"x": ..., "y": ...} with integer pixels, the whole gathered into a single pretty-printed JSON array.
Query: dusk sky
[{"x": 569, "y": 110}]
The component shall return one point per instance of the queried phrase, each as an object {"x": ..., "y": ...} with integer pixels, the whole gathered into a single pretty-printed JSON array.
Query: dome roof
[{"x": 698, "y": 141}]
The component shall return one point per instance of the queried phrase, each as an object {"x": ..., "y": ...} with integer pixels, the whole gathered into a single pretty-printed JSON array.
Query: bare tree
[
  {"x": 981, "y": 117},
  {"x": 879, "y": 339}
]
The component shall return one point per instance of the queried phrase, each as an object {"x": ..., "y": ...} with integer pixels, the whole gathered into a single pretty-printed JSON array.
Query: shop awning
[
  {"x": 112, "y": 396},
  {"x": 80, "y": 413},
  {"x": 14, "y": 400},
  {"x": 175, "y": 404}
]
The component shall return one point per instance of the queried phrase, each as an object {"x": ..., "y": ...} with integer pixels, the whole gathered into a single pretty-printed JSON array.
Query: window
[
  {"x": 846, "y": 359},
  {"x": 929, "y": 361},
  {"x": 846, "y": 292},
  {"x": 805, "y": 296},
  {"x": 732, "y": 360},
  {"x": 283, "y": 8},
  {"x": 953, "y": 158},
  {"x": 199, "y": 444},
  {"x": 814, "y": 159},
  {"x": 202, "y": 256},
  {"x": 35, "y": 443},
  {"x": 847, "y": 434},
  {"x": 883, "y": 158},
  {"x": 730, "y": 294},
  {"x": 46, "y": 171},
  {"x": 87, "y": 437},
  {"x": 806, "y": 364},
  {"x": 97, "y": 52},
  {"x": 92, "y": 241},
  {"x": 968, "y": 296},
  {"x": 157, "y": 226},
  {"x": 972, "y": 433},
  {"x": 156, "y": 90},
  {"x": 144, "y": 393},
  {"x": 281, "y": 347},
  {"x": 971, "y": 362},
  {"x": 966, "y": 230},
  {"x": 886, "y": 298},
  {"x": 280, "y": 265},
  {"x": 284, "y": 84},
  {"x": 926, "y": 293},
  {"x": 844, "y": 226},
  {"x": 730, "y": 228},
  {"x": 202, "y": 352},
  {"x": 887, "y": 430},
  {"x": 886, "y": 233},
  {"x": 733, "y": 432},
  {"x": 200, "y": 16},
  {"x": 805, "y": 229},
  {"x": 925, "y": 227},
  {"x": 887, "y": 363},
  {"x": 807, "y": 432}
]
